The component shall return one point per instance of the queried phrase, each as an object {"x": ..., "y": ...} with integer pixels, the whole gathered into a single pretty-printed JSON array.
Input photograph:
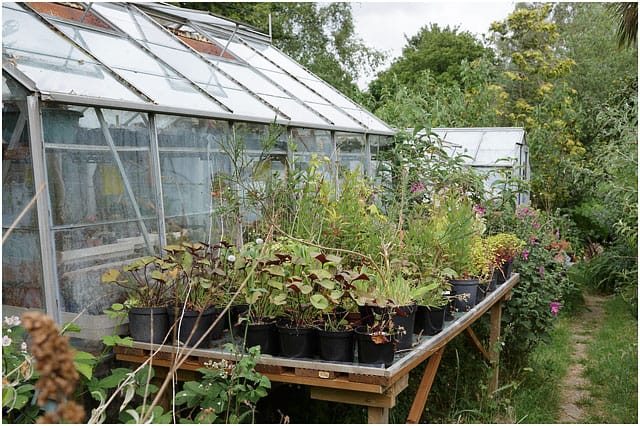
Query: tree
[
  {"x": 441, "y": 52},
  {"x": 320, "y": 36},
  {"x": 540, "y": 99},
  {"x": 626, "y": 14}
]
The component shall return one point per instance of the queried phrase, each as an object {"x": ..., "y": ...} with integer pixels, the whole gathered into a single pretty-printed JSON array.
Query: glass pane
[
  {"x": 90, "y": 251},
  {"x": 248, "y": 55},
  {"x": 115, "y": 51},
  {"x": 190, "y": 157},
  {"x": 22, "y": 277},
  {"x": 85, "y": 183},
  {"x": 54, "y": 64},
  {"x": 252, "y": 80},
  {"x": 174, "y": 92},
  {"x": 281, "y": 59},
  {"x": 351, "y": 151},
  {"x": 242, "y": 103},
  {"x": 295, "y": 110},
  {"x": 314, "y": 144},
  {"x": 338, "y": 118},
  {"x": 368, "y": 119}
]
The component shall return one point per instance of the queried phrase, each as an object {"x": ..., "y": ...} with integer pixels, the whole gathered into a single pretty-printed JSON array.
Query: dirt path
[{"x": 574, "y": 387}]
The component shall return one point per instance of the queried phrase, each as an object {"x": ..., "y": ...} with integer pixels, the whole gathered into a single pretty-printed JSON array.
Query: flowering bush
[{"x": 542, "y": 264}]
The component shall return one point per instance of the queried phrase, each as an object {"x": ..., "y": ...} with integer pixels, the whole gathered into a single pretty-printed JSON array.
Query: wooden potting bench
[{"x": 352, "y": 383}]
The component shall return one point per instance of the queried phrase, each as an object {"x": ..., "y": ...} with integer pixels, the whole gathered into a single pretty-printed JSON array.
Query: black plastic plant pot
[
  {"x": 370, "y": 352},
  {"x": 336, "y": 345},
  {"x": 192, "y": 320},
  {"x": 466, "y": 292},
  {"x": 404, "y": 317},
  {"x": 149, "y": 325},
  {"x": 503, "y": 273},
  {"x": 263, "y": 335},
  {"x": 231, "y": 317},
  {"x": 297, "y": 342},
  {"x": 429, "y": 320},
  {"x": 218, "y": 330}
]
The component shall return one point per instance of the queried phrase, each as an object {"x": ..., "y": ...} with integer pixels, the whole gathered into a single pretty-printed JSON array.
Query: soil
[{"x": 574, "y": 391}]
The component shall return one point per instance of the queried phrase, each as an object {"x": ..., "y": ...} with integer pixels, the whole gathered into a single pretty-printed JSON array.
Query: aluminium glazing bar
[
  {"x": 157, "y": 58},
  {"x": 125, "y": 178},
  {"x": 213, "y": 65},
  {"x": 156, "y": 174},
  {"x": 133, "y": 106},
  {"x": 303, "y": 83},
  {"x": 257, "y": 71},
  {"x": 45, "y": 219}
]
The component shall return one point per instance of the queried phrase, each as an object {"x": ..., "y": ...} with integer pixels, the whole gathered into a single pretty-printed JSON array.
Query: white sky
[{"x": 383, "y": 25}]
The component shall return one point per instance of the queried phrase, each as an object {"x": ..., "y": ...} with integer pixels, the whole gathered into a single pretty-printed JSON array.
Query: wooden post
[
  {"x": 378, "y": 415},
  {"x": 494, "y": 344},
  {"x": 425, "y": 386}
]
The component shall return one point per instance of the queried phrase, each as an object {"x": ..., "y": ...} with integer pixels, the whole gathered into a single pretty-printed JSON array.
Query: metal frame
[{"x": 45, "y": 219}]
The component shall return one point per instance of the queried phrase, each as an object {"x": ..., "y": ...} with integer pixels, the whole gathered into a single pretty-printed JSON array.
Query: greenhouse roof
[
  {"x": 161, "y": 58},
  {"x": 485, "y": 146}
]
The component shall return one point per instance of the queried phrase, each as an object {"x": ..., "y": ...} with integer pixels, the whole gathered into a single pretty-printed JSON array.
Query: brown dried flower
[{"x": 54, "y": 361}]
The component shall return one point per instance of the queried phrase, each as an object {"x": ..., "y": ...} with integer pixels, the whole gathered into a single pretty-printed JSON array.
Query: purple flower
[
  {"x": 525, "y": 254},
  {"x": 555, "y": 307},
  {"x": 541, "y": 272},
  {"x": 558, "y": 234},
  {"x": 479, "y": 210},
  {"x": 536, "y": 225}
]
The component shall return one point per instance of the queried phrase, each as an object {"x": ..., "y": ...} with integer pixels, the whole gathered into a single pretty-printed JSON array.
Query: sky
[{"x": 383, "y": 25}]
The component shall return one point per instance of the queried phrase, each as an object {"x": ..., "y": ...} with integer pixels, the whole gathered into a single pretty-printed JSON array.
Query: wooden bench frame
[{"x": 370, "y": 386}]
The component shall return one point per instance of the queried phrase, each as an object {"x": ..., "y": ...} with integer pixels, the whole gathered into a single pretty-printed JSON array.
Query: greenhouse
[
  {"x": 116, "y": 120},
  {"x": 496, "y": 151}
]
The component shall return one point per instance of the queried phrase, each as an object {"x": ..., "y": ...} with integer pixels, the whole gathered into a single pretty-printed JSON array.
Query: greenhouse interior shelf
[{"x": 373, "y": 386}]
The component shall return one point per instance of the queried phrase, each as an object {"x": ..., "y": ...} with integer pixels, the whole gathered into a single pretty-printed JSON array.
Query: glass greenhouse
[
  {"x": 116, "y": 118},
  {"x": 499, "y": 151}
]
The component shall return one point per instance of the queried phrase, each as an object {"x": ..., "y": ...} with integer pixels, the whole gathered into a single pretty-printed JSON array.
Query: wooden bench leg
[
  {"x": 425, "y": 386},
  {"x": 494, "y": 344},
  {"x": 378, "y": 415}
]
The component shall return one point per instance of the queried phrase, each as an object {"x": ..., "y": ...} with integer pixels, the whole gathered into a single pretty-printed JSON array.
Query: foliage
[
  {"x": 227, "y": 392},
  {"x": 142, "y": 286},
  {"x": 540, "y": 99},
  {"x": 18, "y": 375},
  {"x": 439, "y": 51},
  {"x": 542, "y": 266},
  {"x": 626, "y": 16},
  {"x": 503, "y": 247}
]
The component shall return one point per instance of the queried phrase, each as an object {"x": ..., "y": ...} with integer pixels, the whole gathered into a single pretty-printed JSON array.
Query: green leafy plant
[
  {"x": 227, "y": 392},
  {"x": 144, "y": 284}
]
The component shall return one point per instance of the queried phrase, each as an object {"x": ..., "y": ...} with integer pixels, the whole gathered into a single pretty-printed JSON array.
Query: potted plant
[
  {"x": 146, "y": 298},
  {"x": 502, "y": 249},
  {"x": 188, "y": 266},
  {"x": 336, "y": 338},
  {"x": 432, "y": 306},
  {"x": 377, "y": 342},
  {"x": 460, "y": 232},
  {"x": 257, "y": 265},
  {"x": 300, "y": 300}
]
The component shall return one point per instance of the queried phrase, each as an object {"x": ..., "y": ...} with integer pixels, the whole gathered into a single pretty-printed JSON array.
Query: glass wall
[
  {"x": 22, "y": 278},
  {"x": 352, "y": 152},
  {"x": 99, "y": 171}
]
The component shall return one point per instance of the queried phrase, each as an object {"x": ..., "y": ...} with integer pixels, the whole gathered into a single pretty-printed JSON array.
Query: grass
[
  {"x": 536, "y": 398},
  {"x": 612, "y": 366}
]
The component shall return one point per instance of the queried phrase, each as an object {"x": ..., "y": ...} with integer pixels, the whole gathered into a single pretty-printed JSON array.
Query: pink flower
[
  {"x": 536, "y": 225},
  {"x": 525, "y": 254},
  {"x": 558, "y": 234},
  {"x": 417, "y": 187},
  {"x": 479, "y": 210},
  {"x": 541, "y": 272},
  {"x": 555, "y": 307}
]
